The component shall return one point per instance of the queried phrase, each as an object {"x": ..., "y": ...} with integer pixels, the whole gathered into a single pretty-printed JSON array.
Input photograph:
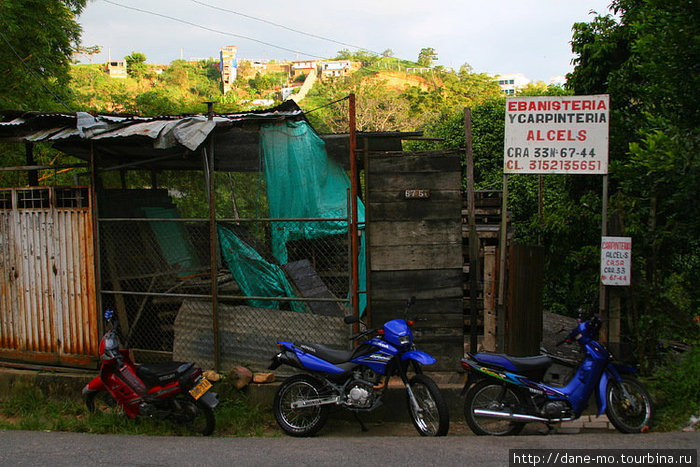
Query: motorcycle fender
[
  {"x": 419, "y": 356},
  {"x": 610, "y": 372},
  {"x": 210, "y": 399},
  {"x": 95, "y": 384}
]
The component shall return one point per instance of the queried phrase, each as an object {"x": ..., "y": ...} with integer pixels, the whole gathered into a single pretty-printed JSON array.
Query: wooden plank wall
[
  {"x": 415, "y": 247},
  {"x": 523, "y": 324}
]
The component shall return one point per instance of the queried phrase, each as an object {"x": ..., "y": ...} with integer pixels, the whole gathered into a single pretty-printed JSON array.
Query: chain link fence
[{"x": 155, "y": 272}]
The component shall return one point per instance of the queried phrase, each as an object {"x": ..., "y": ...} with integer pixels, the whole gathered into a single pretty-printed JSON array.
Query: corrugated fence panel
[{"x": 47, "y": 277}]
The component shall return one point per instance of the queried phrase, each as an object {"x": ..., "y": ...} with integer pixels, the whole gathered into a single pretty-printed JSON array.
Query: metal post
[
  {"x": 96, "y": 239},
  {"x": 213, "y": 241},
  {"x": 353, "y": 205},
  {"x": 474, "y": 263}
]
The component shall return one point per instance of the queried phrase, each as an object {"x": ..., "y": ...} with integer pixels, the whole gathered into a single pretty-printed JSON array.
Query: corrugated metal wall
[{"x": 47, "y": 277}]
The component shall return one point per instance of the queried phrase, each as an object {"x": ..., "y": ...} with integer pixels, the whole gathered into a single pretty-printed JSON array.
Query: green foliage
[
  {"x": 37, "y": 38},
  {"x": 181, "y": 88},
  {"x": 136, "y": 65},
  {"x": 383, "y": 108},
  {"x": 676, "y": 389},
  {"x": 647, "y": 59},
  {"x": 427, "y": 56}
]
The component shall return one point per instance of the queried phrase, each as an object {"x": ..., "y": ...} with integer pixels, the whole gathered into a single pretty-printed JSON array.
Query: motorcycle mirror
[
  {"x": 411, "y": 300},
  {"x": 350, "y": 319}
]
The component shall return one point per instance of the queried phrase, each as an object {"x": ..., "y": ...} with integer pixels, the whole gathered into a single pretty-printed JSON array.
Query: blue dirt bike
[
  {"x": 357, "y": 380},
  {"x": 503, "y": 393}
]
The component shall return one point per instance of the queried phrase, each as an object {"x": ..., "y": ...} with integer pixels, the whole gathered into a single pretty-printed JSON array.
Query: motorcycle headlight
[{"x": 405, "y": 340}]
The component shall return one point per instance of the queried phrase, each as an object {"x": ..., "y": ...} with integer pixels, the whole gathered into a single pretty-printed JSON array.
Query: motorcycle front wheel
[
  {"x": 432, "y": 417},
  {"x": 628, "y": 414},
  {"x": 489, "y": 395},
  {"x": 299, "y": 421}
]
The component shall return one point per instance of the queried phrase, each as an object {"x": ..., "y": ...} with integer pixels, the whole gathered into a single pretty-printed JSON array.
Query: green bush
[{"x": 675, "y": 387}]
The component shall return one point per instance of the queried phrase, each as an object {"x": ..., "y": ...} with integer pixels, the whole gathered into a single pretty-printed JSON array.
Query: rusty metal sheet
[{"x": 47, "y": 278}]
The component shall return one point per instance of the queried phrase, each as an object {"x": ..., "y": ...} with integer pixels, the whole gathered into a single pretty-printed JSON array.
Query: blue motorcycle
[
  {"x": 357, "y": 380},
  {"x": 503, "y": 393}
]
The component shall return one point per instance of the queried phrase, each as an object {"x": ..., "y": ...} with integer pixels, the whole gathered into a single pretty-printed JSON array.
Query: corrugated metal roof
[{"x": 165, "y": 131}]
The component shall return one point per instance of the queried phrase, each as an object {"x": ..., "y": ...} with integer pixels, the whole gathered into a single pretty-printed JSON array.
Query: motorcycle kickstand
[{"x": 359, "y": 420}]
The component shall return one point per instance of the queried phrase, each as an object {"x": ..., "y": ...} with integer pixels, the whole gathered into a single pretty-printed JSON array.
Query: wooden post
[
  {"x": 474, "y": 266},
  {"x": 489, "y": 342},
  {"x": 32, "y": 175},
  {"x": 503, "y": 245},
  {"x": 604, "y": 328}
]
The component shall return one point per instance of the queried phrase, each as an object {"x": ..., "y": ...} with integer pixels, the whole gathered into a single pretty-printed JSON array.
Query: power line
[
  {"x": 315, "y": 36},
  {"x": 213, "y": 30}
]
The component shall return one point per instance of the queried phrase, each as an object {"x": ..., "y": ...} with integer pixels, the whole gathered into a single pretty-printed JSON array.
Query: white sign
[
  {"x": 615, "y": 260},
  {"x": 557, "y": 135}
]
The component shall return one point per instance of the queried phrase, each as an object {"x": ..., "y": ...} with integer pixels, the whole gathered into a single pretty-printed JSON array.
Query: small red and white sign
[
  {"x": 616, "y": 260},
  {"x": 557, "y": 135}
]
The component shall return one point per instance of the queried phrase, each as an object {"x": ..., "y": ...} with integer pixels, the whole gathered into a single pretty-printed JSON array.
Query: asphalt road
[{"x": 19, "y": 448}]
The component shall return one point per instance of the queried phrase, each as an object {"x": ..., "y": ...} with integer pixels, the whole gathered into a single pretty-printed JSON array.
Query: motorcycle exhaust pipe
[
  {"x": 315, "y": 402},
  {"x": 519, "y": 417}
]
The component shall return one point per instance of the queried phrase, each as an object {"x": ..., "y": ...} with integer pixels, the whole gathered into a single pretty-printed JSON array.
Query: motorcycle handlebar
[{"x": 363, "y": 333}]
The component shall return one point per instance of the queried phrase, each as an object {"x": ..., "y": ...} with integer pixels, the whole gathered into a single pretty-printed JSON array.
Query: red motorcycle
[{"x": 173, "y": 391}]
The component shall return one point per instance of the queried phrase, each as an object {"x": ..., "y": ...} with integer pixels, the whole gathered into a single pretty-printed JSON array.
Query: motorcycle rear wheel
[
  {"x": 196, "y": 416},
  {"x": 629, "y": 415},
  {"x": 305, "y": 421},
  {"x": 487, "y": 395},
  {"x": 433, "y": 418}
]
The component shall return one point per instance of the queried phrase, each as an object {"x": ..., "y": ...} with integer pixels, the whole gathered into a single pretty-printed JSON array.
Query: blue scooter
[
  {"x": 357, "y": 380},
  {"x": 503, "y": 393}
]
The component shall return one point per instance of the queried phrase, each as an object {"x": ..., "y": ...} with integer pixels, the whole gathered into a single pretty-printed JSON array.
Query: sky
[{"x": 496, "y": 37}]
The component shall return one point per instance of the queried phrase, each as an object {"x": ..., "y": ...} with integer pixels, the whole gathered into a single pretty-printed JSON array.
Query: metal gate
[{"x": 47, "y": 276}]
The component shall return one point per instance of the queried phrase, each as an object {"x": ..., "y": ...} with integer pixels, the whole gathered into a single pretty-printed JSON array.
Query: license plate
[{"x": 203, "y": 385}]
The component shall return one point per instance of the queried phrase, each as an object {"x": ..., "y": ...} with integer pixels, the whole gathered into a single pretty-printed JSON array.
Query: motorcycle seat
[
  {"x": 154, "y": 374},
  {"x": 326, "y": 353},
  {"x": 534, "y": 367}
]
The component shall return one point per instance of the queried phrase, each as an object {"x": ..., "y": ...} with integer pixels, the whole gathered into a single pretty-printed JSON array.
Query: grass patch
[{"x": 26, "y": 407}]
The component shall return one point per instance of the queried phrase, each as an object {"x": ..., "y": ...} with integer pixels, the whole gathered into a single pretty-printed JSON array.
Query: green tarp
[{"x": 302, "y": 183}]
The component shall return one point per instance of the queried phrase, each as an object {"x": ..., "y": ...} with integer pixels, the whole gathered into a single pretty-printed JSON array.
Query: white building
[{"x": 510, "y": 83}]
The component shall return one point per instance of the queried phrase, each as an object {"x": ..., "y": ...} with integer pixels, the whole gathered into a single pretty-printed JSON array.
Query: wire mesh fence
[{"x": 275, "y": 279}]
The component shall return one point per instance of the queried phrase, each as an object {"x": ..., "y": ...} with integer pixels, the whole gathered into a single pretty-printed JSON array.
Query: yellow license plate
[{"x": 202, "y": 386}]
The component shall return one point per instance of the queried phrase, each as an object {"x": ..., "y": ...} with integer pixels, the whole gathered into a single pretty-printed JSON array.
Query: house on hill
[{"x": 339, "y": 68}]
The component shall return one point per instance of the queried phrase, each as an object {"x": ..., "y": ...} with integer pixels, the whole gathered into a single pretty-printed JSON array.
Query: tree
[
  {"x": 136, "y": 65},
  {"x": 88, "y": 51},
  {"x": 427, "y": 56},
  {"x": 648, "y": 60},
  {"x": 37, "y": 38}
]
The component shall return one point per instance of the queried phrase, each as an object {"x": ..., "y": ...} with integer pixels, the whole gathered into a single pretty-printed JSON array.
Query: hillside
[{"x": 399, "y": 81}]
